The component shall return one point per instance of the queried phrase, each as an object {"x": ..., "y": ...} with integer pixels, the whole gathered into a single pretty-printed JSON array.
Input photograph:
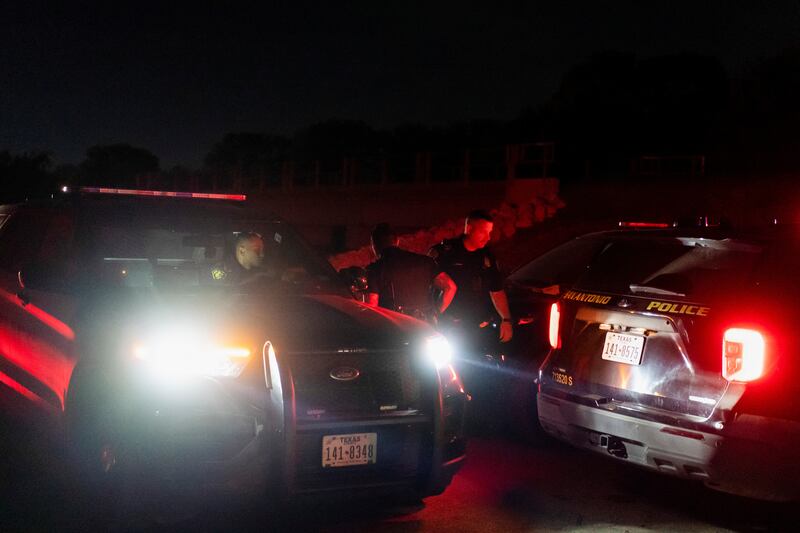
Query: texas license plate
[
  {"x": 623, "y": 348},
  {"x": 349, "y": 450}
]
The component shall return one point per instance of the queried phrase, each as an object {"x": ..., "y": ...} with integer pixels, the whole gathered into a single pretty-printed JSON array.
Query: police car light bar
[
  {"x": 170, "y": 194},
  {"x": 644, "y": 225}
]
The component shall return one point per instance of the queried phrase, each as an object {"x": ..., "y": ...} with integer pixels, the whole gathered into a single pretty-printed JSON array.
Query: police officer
[
  {"x": 248, "y": 254},
  {"x": 480, "y": 286},
  {"x": 404, "y": 281}
]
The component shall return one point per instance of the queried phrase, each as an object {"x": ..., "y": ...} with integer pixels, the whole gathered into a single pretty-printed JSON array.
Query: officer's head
[
  {"x": 477, "y": 229},
  {"x": 250, "y": 250},
  {"x": 382, "y": 237}
]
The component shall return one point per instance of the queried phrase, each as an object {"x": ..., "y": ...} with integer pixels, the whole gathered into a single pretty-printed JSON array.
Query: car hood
[{"x": 292, "y": 322}]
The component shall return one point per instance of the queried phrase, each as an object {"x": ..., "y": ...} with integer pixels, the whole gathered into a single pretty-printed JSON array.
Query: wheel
[{"x": 524, "y": 416}]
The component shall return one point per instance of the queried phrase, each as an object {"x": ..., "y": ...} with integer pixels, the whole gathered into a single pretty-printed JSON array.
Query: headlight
[
  {"x": 438, "y": 351},
  {"x": 179, "y": 355}
]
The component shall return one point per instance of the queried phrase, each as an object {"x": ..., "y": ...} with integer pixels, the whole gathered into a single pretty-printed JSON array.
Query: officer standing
[
  {"x": 404, "y": 281},
  {"x": 480, "y": 286}
]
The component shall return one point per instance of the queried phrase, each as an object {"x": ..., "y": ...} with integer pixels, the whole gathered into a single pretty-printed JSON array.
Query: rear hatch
[{"x": 639, "y": 332}]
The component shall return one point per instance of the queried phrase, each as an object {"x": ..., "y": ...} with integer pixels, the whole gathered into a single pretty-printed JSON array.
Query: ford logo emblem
[{"x": 345, "y": 373}]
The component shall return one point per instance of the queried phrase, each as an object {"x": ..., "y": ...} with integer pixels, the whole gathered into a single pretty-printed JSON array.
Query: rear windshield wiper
[{"x": 636, "y": 289}]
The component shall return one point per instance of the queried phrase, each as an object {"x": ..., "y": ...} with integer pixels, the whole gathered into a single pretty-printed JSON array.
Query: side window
[
  {"x": 20, "y": 238},
  {"x": 30, "y": 236}
]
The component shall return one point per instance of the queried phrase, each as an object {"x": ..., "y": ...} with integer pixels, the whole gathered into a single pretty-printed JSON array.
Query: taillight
[
  {"x": 742, "y": 354},
  {"x": 555, "y": 318}
]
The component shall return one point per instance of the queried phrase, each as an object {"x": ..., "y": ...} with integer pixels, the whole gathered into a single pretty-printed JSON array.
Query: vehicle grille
[{"x": 387, "y": 382}]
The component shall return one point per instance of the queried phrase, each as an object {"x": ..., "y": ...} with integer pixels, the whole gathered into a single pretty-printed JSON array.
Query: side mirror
[{"x": 45, "y": 277}]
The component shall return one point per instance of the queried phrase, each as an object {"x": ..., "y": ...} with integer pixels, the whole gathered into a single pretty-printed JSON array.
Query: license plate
[
  {"x": 623, "y": 348},
  {"x": 349, "y": 450}
]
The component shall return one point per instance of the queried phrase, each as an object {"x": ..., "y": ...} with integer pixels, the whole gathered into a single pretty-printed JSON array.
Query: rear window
[
  {"x": 692, "y": 268},
  {"x": 562, "y": 265}
]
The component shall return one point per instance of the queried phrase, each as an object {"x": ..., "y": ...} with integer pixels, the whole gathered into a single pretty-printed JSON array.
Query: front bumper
[
  {"x": 214, "y": 441},
  {"x": 750, "y": 456}
]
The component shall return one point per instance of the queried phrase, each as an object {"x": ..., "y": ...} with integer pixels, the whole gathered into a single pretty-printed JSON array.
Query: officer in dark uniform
[
  {"x": 404, "y": 281},
  {"x": 248, "y": 256},
  {"x": 471, "y": 321},
  {"x": 472, "y": 266}
]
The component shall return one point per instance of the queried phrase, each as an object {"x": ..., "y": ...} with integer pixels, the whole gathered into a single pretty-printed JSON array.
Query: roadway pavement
[{"x": 505, "y": 486}]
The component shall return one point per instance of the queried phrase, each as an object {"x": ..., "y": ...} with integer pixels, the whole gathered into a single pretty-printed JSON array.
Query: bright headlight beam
[
  {"x": 181, "y": 358},
  {"x": 438, "y": 351}
]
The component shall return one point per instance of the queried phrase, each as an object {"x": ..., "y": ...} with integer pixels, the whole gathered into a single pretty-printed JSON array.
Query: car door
[{"x": 36, "y": 339}]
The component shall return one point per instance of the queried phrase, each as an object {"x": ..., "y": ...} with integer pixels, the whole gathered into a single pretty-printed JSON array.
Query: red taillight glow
[
  {"x": 626, "y": 224},
  {"x": 743, "y": 352},
  {"x": 555, "y": 318},
  {"x": 170, "y": 194}
]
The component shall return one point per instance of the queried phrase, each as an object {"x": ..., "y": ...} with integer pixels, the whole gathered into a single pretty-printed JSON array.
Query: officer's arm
[
  {"x": 448, "y": 287},
  {"x": 372, "y": 299},
  {"x": 500, "y": 301}
]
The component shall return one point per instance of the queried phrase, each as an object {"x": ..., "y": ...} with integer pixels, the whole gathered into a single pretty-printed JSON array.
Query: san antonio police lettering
[{"x": 586, "y": 297}]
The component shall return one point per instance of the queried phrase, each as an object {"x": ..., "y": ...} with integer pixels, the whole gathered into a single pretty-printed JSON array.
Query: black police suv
[
  {"x": 128, "y": 323},
  {"x": 676, "y": 349}
]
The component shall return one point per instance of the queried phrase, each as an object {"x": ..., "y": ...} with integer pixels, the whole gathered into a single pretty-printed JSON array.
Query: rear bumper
[{"x": 751, "y": 456}]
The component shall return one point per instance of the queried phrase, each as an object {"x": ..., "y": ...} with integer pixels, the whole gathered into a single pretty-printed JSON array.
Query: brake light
[
  {"x": 555, "y": 318},
  {"x": 169, "y": 194},
  {"x": 743, "y": 353}
]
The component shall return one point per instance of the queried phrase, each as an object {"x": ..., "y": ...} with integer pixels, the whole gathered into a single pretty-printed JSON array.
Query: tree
[
  {"x": 337, "y": 138},
  {"x": 117, "y": 165},
  {"x": 25, "y": 176},
  {"x": 247, "y": 158}
]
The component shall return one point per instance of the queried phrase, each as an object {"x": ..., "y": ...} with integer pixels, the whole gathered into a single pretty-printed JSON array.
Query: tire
[{"x": 524, "y": 417}]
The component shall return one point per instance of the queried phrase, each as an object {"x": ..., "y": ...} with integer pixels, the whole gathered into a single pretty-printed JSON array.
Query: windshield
[{"x": 177, "y": 253}]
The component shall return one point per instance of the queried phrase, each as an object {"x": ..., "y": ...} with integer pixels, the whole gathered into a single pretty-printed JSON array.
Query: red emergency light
[
  {"x": 168, "y": 194},
  {"x": 626, "y": 224}
]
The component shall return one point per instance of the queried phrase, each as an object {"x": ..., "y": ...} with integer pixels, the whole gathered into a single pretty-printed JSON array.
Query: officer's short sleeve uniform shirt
[
  {"x": 475, "y": 274},
  {"x": 403, "y": 280}
]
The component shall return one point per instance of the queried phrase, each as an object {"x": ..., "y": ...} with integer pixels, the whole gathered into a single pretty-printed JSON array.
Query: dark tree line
[{"x": 608, "y": 109}]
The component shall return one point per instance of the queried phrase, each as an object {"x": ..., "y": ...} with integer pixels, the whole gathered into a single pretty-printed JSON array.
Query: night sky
[{"x": 175, "y": 79}]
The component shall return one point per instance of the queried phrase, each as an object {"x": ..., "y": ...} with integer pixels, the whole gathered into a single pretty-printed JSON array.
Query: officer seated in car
[{"x": 248, "y": 256}]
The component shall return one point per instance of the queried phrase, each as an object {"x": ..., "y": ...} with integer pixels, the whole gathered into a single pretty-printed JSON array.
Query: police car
[
  {"x": 120, "y": 326},
  {"x": 675, "y": 349}
]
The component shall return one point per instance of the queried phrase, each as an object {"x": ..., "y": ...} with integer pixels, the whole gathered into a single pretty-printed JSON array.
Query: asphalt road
[
  {"x": 510, "y": 486},
  {"x": 505, "y": 486}
]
